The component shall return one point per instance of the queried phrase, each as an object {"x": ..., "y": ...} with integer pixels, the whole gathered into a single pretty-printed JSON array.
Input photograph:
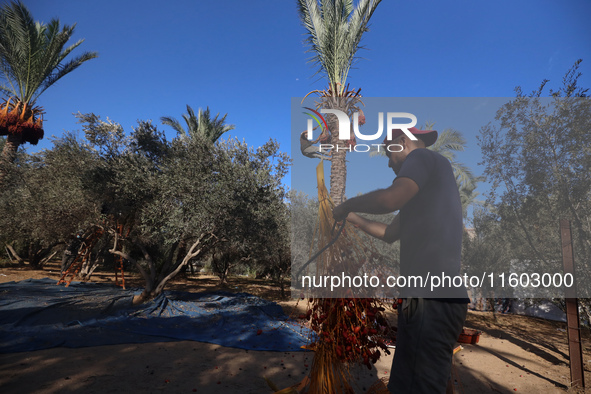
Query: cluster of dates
[
  {"x": 351, "y": 328},
  {"x": 19, "y": 119}
]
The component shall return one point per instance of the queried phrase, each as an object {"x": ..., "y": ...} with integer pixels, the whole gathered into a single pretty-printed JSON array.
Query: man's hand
[{"x": 339, "y": 213}]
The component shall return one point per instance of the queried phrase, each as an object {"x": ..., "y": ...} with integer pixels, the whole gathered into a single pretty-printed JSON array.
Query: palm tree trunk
[
  {"x": 8, "y": 155},
  {"x": 338, "y": 171}
]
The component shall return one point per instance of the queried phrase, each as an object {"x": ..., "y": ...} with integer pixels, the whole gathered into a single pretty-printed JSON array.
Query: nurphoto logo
[{"x": 345, "y": 123}]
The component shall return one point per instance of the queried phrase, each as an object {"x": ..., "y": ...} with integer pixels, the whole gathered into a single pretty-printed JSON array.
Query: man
[{"x": 429, "y": 227}]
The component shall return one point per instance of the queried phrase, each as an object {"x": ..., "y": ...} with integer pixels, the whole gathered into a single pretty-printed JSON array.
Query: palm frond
[
  {"x": 63, "y": 70},
  {"x": 191, "y": 119},
  {"x": 213, "y": 129},
  {"x": 200, "y": 125},
  {"x": 464, "y": 175},
  {"x": 32, "y": 53},
  {"x": 334, "y": 31},
  {"x": 449, "y": 140},
  {"x": 172, "y": 122},
  {"x": 5, "y": 90}
]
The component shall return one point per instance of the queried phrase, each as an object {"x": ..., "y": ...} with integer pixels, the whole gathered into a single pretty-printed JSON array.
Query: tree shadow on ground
[
  {"x": 180, "y": 367},
  {"x": 535, "y": 335},
  {"x": 525, "y": 345}
]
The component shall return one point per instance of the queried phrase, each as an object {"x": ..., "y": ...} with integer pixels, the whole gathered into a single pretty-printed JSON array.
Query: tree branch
[
  {"x": 18, "y": 258},
  {"x": 192, "y": 253}
]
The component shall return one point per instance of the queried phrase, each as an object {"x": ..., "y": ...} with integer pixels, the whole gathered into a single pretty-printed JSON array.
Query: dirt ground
[{"x": 514, "y": 354}]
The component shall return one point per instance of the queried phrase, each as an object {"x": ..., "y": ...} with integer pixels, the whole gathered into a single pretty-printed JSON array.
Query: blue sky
[{"x": 247, "y": 59}]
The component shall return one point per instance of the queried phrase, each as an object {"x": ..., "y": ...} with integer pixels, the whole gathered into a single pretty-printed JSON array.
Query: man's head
[{"x": 398, "y": 148}]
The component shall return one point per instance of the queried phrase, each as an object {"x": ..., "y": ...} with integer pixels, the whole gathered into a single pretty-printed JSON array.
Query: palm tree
[
  {"x": 31, "y": 60},
  {"x": 334, "y": 30},
  {"x": 200, "y": 125}
]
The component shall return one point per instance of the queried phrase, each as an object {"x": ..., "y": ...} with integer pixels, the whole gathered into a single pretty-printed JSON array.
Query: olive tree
[
  {"x": 537, "y": 157},
  {"x": 186, "y": 199}
]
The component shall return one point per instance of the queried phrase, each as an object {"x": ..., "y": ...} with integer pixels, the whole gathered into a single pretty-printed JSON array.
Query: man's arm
[
  {"x": 379, "y": 201},
  {"x": 387, "y": 233}
]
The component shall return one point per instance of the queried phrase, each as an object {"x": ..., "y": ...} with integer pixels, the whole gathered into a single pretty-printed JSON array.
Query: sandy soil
[{"x": 514, "y": 354}]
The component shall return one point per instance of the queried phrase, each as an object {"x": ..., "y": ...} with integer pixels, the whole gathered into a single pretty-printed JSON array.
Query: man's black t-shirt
[{"x": 431, "y": 228}]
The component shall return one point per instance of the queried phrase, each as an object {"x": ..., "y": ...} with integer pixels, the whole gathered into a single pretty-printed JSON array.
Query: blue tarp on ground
[{"x": 38, "y": 314}]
